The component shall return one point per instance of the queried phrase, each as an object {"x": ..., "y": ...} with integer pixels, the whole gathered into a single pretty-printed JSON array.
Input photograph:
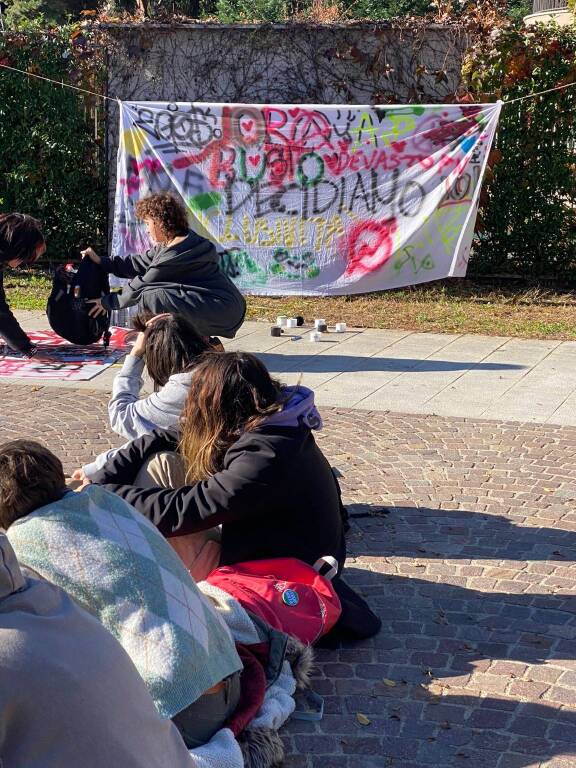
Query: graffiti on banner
[
  {"x": 312, "y": 200},
  {"x": 69, "y": 362}
]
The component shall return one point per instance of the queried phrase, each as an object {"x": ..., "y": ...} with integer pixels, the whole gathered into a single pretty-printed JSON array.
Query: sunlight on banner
[{"x": 312, "y": 200}]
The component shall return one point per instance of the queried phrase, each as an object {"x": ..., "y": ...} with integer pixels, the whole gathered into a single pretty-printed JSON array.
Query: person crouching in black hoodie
[{"x": 251, "y": 465}]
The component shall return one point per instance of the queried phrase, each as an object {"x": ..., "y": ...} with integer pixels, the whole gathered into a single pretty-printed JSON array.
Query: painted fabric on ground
[
  {"x": 71, "y": 362},
  {"x": 312, "y": 200}
]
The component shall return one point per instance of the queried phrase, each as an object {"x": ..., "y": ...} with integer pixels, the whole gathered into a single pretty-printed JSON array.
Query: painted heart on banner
[
  {"x": 369, "y": 246},
  {"x": 332, "y": 162}
]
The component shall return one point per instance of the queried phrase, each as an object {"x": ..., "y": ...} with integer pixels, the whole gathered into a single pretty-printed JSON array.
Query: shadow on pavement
[
  {"x": 468, "y": 669},
  {"x": 347, "y": 363}
]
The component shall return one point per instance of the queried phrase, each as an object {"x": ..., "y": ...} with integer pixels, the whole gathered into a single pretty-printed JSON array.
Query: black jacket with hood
[
  {"x": 184, "y": 278},
  {"x": 10, "y": 329},
  {"x": 275, "y": 495}
]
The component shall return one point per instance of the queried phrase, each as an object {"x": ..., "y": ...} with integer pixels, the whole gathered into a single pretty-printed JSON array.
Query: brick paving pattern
[{"x": 463, "y": 539}]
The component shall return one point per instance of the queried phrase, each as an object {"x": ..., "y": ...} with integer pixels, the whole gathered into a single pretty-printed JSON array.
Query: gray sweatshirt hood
[{"x": 11, "y": 578}]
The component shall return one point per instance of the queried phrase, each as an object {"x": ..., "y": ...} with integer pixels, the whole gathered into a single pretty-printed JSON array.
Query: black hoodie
[
  {"x": 184, "y": 278},
  {"x": 274, "y": 497},
  {"x": 10, "y": 329}
]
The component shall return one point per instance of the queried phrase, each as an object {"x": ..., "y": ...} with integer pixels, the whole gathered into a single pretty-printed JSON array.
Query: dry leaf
[{"x": 362, "y": 719}]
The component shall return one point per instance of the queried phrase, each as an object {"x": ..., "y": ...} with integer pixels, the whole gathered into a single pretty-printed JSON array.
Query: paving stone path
[{"x": 464, "y": 540}]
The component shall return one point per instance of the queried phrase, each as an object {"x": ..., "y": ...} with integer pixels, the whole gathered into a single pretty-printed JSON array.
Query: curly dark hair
[{"x": 166, "y": 211}]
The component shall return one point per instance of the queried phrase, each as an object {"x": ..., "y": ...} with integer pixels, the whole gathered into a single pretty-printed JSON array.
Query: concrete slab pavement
[{"x": 428, "y": 373}]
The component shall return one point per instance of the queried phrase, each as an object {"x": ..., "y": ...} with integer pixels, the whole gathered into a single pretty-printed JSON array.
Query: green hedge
[
  {"x": 527, "y": 223},
  {"x": 51, "y": 163}
]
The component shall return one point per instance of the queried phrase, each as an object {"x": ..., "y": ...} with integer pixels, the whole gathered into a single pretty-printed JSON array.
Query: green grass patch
[
  {"x": 27, "y": 289},
  {"x": 459, "y": 306}
]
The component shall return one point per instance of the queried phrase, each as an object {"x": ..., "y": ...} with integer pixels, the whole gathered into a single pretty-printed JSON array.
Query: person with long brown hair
[
  {"x": 168, "y": 346},
  {"x": 251, "y": 465},
  {"x": 180, "y": 274}
]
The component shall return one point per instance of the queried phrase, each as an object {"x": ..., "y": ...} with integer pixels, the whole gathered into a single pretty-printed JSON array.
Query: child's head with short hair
[{"x": 31, "y": 476}]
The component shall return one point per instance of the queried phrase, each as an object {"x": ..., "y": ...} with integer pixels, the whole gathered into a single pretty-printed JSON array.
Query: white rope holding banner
[
  {"x": 539, "y": 93},
  {"x": 109, "y": 98},
  {"x": 57, "y": 82}
]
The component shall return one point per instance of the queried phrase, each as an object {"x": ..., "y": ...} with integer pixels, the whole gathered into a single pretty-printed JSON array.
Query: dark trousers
[{"x": 207, "y": 715}]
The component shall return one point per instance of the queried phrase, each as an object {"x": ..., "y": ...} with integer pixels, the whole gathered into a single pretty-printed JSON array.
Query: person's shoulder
[
  {"x": 183, "y": 379},
  {"x": 111, "y": 511},
  {"x": 99, "y": 503},
  {"x": 193, "y": 237},
  {"x": 270, "y": 443},
  {"x": 197, "y": 242}
]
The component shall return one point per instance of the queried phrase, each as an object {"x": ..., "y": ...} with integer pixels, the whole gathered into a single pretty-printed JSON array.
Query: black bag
[{"x": 67, "y": 309}]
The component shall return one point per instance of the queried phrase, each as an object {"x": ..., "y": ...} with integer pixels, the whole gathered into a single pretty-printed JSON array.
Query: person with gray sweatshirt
[
  {"x": 69, "y": 694},
  {"x": 168, "y": 346}
]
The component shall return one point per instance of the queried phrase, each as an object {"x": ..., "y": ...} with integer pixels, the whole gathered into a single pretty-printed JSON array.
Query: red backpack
[{"x": 288, "y": 594}]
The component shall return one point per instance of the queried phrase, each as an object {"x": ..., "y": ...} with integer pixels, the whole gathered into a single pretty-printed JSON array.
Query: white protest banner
[{"x": 309, "y": 199}]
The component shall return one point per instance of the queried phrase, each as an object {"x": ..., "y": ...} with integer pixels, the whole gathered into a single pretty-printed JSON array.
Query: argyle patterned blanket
[{"x": 115, "y": 563}]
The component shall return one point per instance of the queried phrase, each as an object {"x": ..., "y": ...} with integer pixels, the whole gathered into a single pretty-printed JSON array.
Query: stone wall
[{"x": 275, "y": 64}]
